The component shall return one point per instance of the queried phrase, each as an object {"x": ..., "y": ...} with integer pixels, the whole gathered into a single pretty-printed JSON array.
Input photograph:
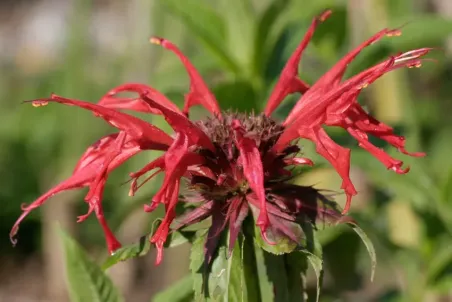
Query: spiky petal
[
  {"x": 253, "y": 170},
  {"x": 99, "y": 159},
  {"x": 334, "y": 103},
  {"x": 199, "y": 92},
  {"x": 288, "y": 81}
]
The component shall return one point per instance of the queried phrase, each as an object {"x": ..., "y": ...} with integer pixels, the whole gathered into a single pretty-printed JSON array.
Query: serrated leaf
[
  {"x": 369, "y": 246},
  {"x": 138, "y": 249},
  {"x": 86, "y": 280},
  {"x": 224, "y": 278},
  {"x": 177, "y": 238},
  {"x": 217, "y": 280},
  {"x": 181, "y": 291},
  {"x": 195, "y": 15},
  {"x": 197, "y": 264},
  {"x": 143, "y": 246}
]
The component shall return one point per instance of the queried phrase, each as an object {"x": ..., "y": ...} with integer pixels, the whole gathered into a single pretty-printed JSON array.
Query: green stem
[
  {"x": 296, "y": 269},
  {"x": 251, "y": 271}
]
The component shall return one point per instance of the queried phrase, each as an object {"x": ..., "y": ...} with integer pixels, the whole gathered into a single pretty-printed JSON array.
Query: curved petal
[
  {"x": 182, "y": 124},
  {"x": 199, "y": 92},
  {"x": 288, "y": 81},
  {"x": 252, "y": 169},
  {"x": 144, "y": 133},
  {"x": 136, "y": 104},
  {"x": 86, "y": 171}
]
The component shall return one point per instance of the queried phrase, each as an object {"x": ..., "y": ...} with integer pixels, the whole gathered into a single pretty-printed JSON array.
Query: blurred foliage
[{"x": 240, "y": 47}]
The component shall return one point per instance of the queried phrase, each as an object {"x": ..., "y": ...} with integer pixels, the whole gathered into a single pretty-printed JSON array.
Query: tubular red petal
[
  {"x": 333, "y": 77},
  {"x": 157, "y": 163},
  {"x": 199, "y": 92},
  {"x": 136, "y": 104},
  {"x": 75, "y": 182},
  {"x": 133, "y": 104},
  {"x": 176, "y": 164},
  {"x": 161, "y": 234},
  {"x": 298, "y": 161},
  {"x": 144, "y": 133},
  {"x": 252, "y": 169},
  {"x": 84, "y": 174},
  {"x": 380, "y": 154},
  {"x": 330, "y": 102},
  {"x": 95, "y": 201},
  {"x": 113, "y": 152},
  {"x": 366, "y": 123},
  {"x": 288, "y": 81},
  {"x": 96, "y": 151},
  {"x": 182, "y": 124},
  {"x": 338, "y": 156}
]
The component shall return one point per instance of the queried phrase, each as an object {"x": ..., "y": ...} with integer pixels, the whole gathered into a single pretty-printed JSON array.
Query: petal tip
[
  {"x": 39, "y": 103},
  {"x": 156, "y": 40},
  {"x": 324, "y": 15}
]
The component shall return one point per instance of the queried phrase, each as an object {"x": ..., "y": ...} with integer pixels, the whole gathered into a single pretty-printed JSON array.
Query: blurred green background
[{"x": 81, "y": 48}]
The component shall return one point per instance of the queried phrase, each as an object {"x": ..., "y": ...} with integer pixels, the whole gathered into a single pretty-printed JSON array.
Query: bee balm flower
[{"x": 235, "y": 165}]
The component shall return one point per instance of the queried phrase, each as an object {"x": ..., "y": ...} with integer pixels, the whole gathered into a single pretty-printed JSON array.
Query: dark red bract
[{"x": 234, "y": 164}]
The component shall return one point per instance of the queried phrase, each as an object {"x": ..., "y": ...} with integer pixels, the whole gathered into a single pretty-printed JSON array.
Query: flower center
[
  {"x": 225, "y": 165},
  {"x": 262, "y": 129}
]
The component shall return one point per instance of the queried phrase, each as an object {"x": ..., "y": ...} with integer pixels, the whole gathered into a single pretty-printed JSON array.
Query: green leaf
[
  {"x": 217, "y": 279},
  {"x": 251, "y": 269},
  {"x": 86, "y": 281},
  {"x": 296, "y": 267},
  {"x": 177, "y": 238},
  {"x": 138, "y": 249},
  {"x": 143, "y": 246},
  {"x": 195, "y": 15},
  {"x": 281, "y": 277},
  {"x": 283, "y": 243},
  {"x": 224, "y": 278},
  {"x": 181, "y": 291},
  {"x": 369, "y": 246},
  {"x": 236, "y": 283},
  {"x": 277, "y": 273},
  {"x": 265, "y": 284},
  {"x": 197, "y": 264}
]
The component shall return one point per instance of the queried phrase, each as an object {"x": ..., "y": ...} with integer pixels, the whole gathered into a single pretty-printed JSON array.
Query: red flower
[{"x": 235, "y": 163}]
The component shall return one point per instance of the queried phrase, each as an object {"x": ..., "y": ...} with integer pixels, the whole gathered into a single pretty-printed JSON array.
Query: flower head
[{"x": 235, "y": 165}]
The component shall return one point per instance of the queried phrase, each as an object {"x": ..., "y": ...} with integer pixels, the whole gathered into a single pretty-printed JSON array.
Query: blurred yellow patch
[{"x": 404, "y": 224}]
